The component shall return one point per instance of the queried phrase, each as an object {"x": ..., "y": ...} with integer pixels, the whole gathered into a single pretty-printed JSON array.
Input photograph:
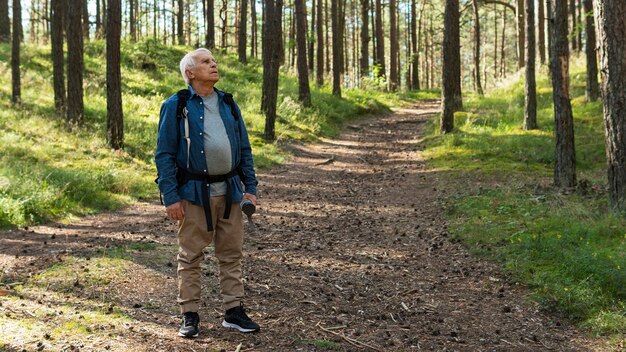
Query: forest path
[{"x": 350, "y": 253}]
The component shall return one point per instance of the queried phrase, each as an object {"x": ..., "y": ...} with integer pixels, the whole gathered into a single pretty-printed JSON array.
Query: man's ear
[{"x": 189, "y": 73}]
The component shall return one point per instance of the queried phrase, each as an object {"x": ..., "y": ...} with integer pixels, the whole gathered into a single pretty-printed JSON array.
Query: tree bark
[
  {"x": 550, "y": 29},
  {"x": 180, "y": 22},
  {"x": 334, "y": 18},
  {"x": 451, "y": 72},
  {"x": 610, "y": 19},
  {"x": 16, "y": 84},
  {"x": 75, "y": 64},
  {"x": 572, "y": 9},
  {"x": 592, "y": 89},
  {"x": 272, "y": 32},
  {"x": 131, "y": 20},
  {"x": 210, "y": 24},
  {"x": 115, "y": 116},
  {"x": 380, "y": 40},
  {"x": 310, "y": 43},
  {"x": 58, "y": 75},
  {"x": 243, "y": 33},
  {"x": 365, "y": 38},
  {"x": 503, "y": 47},
  {"x": 530, "y": 86},
  {"x": 5, "y": 22},
  {"x": 541, "y": 31},
  {"x": 565, "y": 155},
  {"x": 520, "y": 33},
  {"x": 479, "y": 86},
  {"x": 98, "y": 21},
  {"x": 85, "y": 21},
  {"x": 304, "y": 92},
  {"x": 416, "y": 44},
  {"x": 579, "y": 29},
  {"x": 319, "y": 75},
  {"x": 394, "y": 81},
  {"x": 253, "y": 38}
]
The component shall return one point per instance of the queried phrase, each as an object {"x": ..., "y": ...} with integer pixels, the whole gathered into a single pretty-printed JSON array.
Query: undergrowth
[{"x": 567, "y": 246}]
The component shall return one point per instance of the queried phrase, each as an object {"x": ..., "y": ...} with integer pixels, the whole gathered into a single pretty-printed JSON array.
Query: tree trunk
[
  {"x": 243, "y": 35},
  {"x": 394, "y": 81},
  {"x": 451, "y": 72},
  {"x": 304, "y": 92},
  {"x": 579, "y": 22},
  {"x": 365, "y": 38},
  {"x": 334, "y": 17},
  {"x": 479, "y": 86},
  {"x": 253, "y": 37},
  {"x": 592, "y": 89},
  {"x": 310, "y": 43},
  {"x": 98, "y": 21},
  {"x": 224, "y": 13},
  {"x": 542, "y": 33},
  {"x": 520, "y": 33},
  {"x": 572, "y": 8},
  {"x": 16, "y": 85},
  {"x": 180, "y": 21},
  {"x": 495, "y": 43},
  {"x": 272, "y": 32},
  {"x": 550, "y": 29},
  {"x": 319, "y": 75},
  {"x": 85, "y": 21},
  {"x": 210, "y": 24},
  {"x": 565, "y": 156},
  {"x": 611, "y": 25},
  {"x": 327, "y": 40},
  {"x": 530, "y": 111},
  {"x": 131, "y": 20},
  {"x": 416, "y": 44},
  {"x": 5, "y": 22},
  {"x": 75, "y": 64},
  {"x": 380, "y": 40},
  {"x": 188, "y": 22},
  {"x": 115, "y": 117},
  {"x": 58, "y": 75},
  {"x": 503, "y": 47}
]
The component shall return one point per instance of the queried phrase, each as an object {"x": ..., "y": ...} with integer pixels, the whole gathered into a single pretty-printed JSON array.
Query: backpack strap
[{"x": 183, "y": 113}]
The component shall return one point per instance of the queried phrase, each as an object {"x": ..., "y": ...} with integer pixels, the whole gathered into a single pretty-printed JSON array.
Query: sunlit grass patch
[{"x": 567, "y": 248}]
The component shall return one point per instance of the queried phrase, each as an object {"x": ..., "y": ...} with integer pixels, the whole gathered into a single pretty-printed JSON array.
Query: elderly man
[{"x": 203, "y": 156}]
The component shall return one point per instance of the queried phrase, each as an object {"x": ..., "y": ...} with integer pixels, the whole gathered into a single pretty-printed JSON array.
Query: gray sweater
[{"x": 216, "y": 144}]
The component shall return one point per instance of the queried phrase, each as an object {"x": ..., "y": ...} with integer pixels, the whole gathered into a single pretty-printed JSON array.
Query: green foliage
[
  {"x": 567, "y": 247},
  {"x": 49, "y": 171}
]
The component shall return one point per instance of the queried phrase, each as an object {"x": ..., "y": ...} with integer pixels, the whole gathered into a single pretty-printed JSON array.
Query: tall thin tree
[
  {"x": 479, "y": 86},
  {"x": 304, "y": 92},
  {"x": 115, "y": 116},
  {"x": 319, "y": 74},
  {"x": 394, "y": 74},
  {"x": 592, "y": 90},
  {"x": 451, "y": 70},
  {"x": 365, "y": 38},
  {"x": 573, "y": 28},
  {"x": 530, "y": 86},
  {"x": 611, "y": 25},
  {"x": 380, "y": 40},
  {"x": 16, "y": 84},
  {"x": 334, "y": 14},
  {"x": 243, "y": 33},
  {"x": 541, "y": 34},
  {"x": 58, "y": 75},
  {"x": 5, "y": 23},
  {"x": 253, "y": 29},
  {"x": 519, "y": 9},
  {"x": 180, "y": 21},
  {"x": 310, "y": 39},
  {"x": 85, "y": 20},
  {"x": 210, "y": 25},
  {"x": 565, "y": 155},
  {"x": 75, "y": 64},
  {"x": 272, "y": 30}
]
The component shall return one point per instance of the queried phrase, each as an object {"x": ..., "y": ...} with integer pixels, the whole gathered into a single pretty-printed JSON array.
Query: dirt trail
[{"x": 351, "y": 247}]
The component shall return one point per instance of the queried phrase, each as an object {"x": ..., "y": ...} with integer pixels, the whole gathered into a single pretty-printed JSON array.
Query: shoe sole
[
  {"x": 235, "y": 326},
  {"x": 187, "y": 336}
]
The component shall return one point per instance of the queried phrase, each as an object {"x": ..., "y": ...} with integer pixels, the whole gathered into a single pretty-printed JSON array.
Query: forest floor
[{"x": 350, "y": 253}]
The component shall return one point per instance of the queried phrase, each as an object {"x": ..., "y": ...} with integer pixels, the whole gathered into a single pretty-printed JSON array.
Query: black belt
[{"x": 206, "y": 201}]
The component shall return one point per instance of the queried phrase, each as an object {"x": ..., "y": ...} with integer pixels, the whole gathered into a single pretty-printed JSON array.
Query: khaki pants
[{"x": 193, "y": 237}]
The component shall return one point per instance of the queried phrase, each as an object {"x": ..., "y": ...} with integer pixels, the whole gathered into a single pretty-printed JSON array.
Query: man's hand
[
  {"x": 252, "y": 198},
  {"x": 176, "y": 211}
]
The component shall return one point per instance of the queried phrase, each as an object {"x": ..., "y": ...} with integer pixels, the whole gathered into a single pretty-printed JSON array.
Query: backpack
[{"x": 181, "y": 113}]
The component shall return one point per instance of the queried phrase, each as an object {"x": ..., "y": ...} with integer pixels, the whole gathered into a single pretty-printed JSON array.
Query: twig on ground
[
  {"x": 351, "y": 341},
  {"x": 330, "y": 160},
  {"x": 238, "y": 348}
]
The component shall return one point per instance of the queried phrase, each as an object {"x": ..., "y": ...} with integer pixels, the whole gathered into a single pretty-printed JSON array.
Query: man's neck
[{"x": 203, "y": 89}]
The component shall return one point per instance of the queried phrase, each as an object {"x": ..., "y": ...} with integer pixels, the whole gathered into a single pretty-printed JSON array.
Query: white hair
[{"x": 189, "y": 62}]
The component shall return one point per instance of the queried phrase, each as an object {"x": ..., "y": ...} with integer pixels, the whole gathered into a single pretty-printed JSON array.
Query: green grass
[
  {"x": 49, "y": 171},
  {"x": 567, "y": 247}
]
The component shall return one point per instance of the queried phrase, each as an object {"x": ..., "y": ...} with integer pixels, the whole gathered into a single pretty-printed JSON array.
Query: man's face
[{"x": 205, "y": 70}]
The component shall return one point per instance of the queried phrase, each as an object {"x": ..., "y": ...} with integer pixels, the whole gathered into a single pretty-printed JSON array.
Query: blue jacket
[{"x": 171, "y": 151}]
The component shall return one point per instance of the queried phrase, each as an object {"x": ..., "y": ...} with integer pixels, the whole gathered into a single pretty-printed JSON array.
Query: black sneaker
[
  {"x": 191, "y": 320},
  {"x": 237, "y": 318}
]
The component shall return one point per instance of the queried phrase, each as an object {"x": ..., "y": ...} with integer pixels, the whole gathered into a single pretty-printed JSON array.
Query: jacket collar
[{"x": 220, "y": 94}]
